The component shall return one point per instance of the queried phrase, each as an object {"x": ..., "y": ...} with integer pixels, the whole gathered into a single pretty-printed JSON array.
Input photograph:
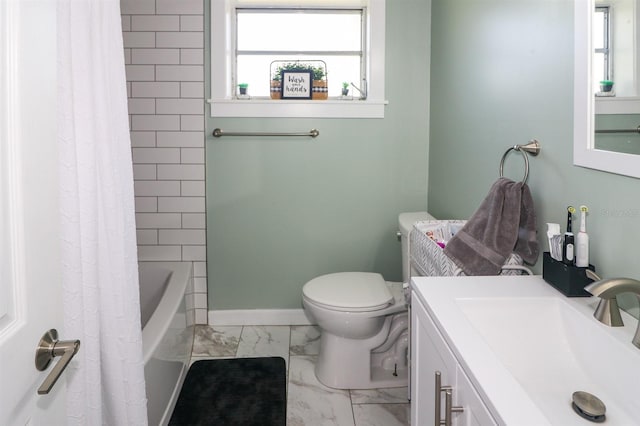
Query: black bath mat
[{"x": 230, "y": 392}]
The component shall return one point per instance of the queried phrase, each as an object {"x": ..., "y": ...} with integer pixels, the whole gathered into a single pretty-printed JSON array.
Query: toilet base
[
  {"x": 381, "y": 378},
  {"x": 362, "y": 377},
  {"x": 352, "y": 364}
]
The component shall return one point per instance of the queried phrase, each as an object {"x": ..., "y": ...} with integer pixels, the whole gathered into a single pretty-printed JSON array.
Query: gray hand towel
[
  {"x": 527, "y": 242},
  {"x": 505, "y": 222}
]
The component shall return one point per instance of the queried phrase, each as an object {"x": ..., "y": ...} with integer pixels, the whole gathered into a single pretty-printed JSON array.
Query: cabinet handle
[
  {"x": 449, "y": 409},
  {"x": 438, "y": 387},
  {"x": 448, "y": 403}
]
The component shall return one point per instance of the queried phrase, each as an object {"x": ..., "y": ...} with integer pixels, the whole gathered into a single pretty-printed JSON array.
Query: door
[{"x": 30, "y": 284}]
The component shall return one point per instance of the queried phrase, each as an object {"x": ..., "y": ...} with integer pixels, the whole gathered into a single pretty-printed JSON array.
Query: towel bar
[
  {"x": 533, "y": 148},
  {"x": 636, "y": 130},
  {"x": 219, "y": 133}
]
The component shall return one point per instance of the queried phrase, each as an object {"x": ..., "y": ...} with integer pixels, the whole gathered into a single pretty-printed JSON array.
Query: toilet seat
[{"x": 349, "y": 291}]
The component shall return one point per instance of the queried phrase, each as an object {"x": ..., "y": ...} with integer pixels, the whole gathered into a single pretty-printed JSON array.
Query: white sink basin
[
  {"x": 527, "y": 348},
  {"x": 553, "y": 350}
]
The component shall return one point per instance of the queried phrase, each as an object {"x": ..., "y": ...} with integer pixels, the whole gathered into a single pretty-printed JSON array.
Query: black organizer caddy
[{"x": 568, "y": 279}]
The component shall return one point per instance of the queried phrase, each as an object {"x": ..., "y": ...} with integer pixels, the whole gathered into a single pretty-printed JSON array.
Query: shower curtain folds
[{"x": 101, "y": 303}]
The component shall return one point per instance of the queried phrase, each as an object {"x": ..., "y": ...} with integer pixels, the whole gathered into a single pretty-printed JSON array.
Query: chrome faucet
[{"x": 608, "y": 311}]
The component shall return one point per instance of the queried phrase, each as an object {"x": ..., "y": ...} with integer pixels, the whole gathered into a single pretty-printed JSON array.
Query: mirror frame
[{"x": 584, "y": 152}]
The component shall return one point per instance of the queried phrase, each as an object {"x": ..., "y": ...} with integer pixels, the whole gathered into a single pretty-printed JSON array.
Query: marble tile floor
[{"x": 309, "y": 403}]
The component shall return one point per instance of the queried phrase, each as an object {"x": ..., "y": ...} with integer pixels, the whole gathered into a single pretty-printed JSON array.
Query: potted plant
[
  {"x": 276, "y": 76},
  {"x": 275, "y": 91},
  {"x": 606, "y": 85},
  {"x": 242, "y": 87},
  {"x": 345, "y": 89},
  {"x": 319, "y": 90}
]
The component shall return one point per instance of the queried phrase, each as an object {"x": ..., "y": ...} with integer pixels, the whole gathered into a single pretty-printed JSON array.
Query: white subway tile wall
[
  {"x": 164, "y": 58},
  {"x": 192, "y": 188}
]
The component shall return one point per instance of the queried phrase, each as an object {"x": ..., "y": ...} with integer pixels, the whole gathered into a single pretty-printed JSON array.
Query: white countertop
[{"x": 506, "y": 397}]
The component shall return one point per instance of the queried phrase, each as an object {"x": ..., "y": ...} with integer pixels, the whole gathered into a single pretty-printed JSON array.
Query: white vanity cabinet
[
  {"x": 430, "y": 355},
  {"x": 513, "y": 349}
]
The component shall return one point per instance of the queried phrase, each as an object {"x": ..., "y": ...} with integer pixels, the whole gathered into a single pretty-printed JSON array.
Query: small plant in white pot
[{"x": 345, "y": 89}]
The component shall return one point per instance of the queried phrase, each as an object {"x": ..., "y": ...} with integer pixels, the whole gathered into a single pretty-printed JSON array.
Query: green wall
[
  {"x": 282, "y": 211},
  {"x": 502, "y": 73}
]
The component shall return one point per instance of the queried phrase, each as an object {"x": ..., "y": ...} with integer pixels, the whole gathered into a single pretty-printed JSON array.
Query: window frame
[
  {"x": 361, "y": 53},
  {"x": 224, "y": 102}
]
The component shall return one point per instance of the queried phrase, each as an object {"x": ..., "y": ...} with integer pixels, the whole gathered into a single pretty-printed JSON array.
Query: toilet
[{"x": 363, "y": 323}]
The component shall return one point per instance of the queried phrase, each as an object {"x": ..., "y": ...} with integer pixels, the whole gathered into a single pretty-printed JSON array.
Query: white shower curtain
[{"x": 106, "y": 384}]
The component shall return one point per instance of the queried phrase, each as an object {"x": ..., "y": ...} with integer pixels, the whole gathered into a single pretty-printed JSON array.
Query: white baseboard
[{"x": 258, "y": 317}]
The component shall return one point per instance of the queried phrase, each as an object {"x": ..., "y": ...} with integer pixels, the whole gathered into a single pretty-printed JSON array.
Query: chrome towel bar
[
  {"x": 533, "y": 148},
  {"x": 636, "y": 130},
  {"x": 218, "y": 133}
]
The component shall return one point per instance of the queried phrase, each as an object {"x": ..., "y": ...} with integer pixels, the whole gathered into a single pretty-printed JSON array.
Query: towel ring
[{"x": 533, "y": 148}]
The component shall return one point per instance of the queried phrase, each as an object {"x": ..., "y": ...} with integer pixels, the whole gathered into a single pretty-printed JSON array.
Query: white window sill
[
  {"x": 617, "y": 105},
  {"x": 332, "y": 108}
]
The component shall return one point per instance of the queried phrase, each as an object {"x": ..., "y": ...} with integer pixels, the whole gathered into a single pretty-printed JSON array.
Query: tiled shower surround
[{"x": 164, "y": 57}]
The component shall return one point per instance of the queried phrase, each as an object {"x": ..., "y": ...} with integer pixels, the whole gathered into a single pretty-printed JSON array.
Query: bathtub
[{"x": 167, "y": 338}]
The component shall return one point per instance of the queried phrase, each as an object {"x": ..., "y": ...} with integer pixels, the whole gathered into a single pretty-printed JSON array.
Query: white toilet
[{"x": 364, "y": 324}]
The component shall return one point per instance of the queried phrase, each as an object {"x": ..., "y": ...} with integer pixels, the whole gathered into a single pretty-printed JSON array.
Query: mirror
[{"x": 612, "y": 151}]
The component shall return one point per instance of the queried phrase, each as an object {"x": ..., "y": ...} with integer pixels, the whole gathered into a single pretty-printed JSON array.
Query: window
[
  {"x": 266, "y": 36},
  {"x": 249, "y": 40},
  {"x": 602, "y": 63}
]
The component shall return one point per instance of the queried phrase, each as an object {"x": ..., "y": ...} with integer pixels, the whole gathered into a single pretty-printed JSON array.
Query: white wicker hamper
[{"x": 429, "y": 259}]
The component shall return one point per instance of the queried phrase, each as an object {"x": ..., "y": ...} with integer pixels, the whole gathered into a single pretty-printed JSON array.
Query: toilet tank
[{"x": 405, "y": 223}]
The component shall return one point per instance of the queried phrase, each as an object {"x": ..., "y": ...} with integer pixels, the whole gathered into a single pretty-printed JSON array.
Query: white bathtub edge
[
  {"x": 258, "y": 317},
  {"x": 169, "y": 318},
  {"x": 154, "y": 331}
]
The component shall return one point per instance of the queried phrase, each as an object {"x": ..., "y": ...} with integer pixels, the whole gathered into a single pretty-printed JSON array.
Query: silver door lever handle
[{"x": 49, "y": 348}]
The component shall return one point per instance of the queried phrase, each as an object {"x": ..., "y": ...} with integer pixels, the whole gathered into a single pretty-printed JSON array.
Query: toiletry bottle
[{"x": 582, "y": 240}]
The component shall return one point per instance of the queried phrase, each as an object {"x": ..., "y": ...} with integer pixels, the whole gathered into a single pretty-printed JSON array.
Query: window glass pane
[
  {"x": 598, "y": 29},
  {"x": 292, "y": 35},
  {"x": 598, "y": 71},
  {"x": 299, "y": 31},
  {"x": 600, "y": 40},
  {"x": 255, "y": 70}
]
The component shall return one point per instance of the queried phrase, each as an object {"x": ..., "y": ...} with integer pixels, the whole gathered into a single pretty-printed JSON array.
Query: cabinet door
[
  {"x": 475, "y": 412},
  {"x": 429, "y": 354}
]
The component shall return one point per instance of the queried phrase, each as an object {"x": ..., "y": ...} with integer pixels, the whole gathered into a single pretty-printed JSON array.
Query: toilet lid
[{"x": 356, "y": 290}]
